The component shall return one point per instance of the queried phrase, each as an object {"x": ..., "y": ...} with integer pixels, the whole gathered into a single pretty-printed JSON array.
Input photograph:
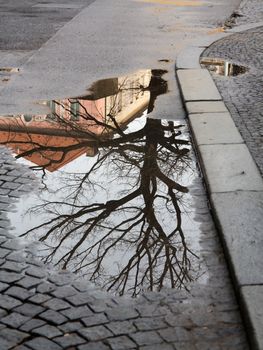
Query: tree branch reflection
[{"x": 125, "y": 207}]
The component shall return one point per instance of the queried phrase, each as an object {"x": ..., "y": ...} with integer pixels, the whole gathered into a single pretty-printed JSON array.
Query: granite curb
[{"x": 234, "y": 183}]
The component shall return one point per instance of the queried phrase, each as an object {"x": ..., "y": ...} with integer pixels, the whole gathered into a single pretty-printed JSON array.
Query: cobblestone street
[{"x": 45, "y": 309}]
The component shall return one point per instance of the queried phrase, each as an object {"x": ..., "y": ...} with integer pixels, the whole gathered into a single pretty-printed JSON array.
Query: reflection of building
[
  {"x": 72, "y": 120},
  {"x": 222, "y": 67}
]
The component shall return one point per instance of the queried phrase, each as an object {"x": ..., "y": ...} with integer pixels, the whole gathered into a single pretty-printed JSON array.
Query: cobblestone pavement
[
  {"x": 41, "y": 308},
  {"x": 243, "y": 94}
]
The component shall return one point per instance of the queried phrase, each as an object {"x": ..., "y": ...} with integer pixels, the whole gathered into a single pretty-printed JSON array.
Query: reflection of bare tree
[
  {"x": 142, "y": 219},
  {"x": 148, "y": 159}
]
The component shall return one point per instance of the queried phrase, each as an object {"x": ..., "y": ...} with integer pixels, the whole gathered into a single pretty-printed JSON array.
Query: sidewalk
[{"x": 231, "y": 154}]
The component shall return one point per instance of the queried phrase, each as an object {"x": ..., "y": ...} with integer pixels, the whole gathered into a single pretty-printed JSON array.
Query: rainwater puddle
[
  {"x": 113, "y": 201},
  {"x": 222, "y": 67}
]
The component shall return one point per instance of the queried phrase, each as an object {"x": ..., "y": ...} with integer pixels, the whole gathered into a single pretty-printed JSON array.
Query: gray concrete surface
[
  {"x": 233, "y": 178},
  {"x": 214, "y": 128},
  {"x": 197, "y": 85},
  {"x": 205, "y": 107},
  {"x": 142, "y": 34}
]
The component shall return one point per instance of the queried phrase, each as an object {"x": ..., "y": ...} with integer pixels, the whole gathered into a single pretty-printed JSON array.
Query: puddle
[
  {"x": 222, "y": 67},
  {"x": 9, "y": 70},
  {"x": 113, "y": 203}
]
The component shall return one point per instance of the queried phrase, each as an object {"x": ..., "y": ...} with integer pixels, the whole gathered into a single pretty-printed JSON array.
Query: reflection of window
[
  {"x": 28, "y": 118},
  {"x": 120, "y": 101},
  {"x": 74, "y": 110}
]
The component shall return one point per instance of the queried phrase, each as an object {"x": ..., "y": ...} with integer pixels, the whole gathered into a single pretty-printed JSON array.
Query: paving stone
[
  {"x": 41, "y": 343},
  {"x": 9, "y": 277},
  {"x": 93, "y": 346},
  {"x": 197, "y": 85},
  {"x": 62, "y": 292},
  {"x": 95, "y": 333},
  {"x": 121, "y": 327},
  {"x": 121, "y": 343},
  {"x": 14, "y": 320},
  {"x": 122, "y": 314},
  {"x": 61, "y": 279},
  {"x": 19, "y": 293},
  {"x": 71, "y": 339},
  {"x": 29, "y": 309},
  {"x": 11, "y": 185},
  {"x": 242, "y": 213},
  {"x": 146, "y": 324},
  {"x": 8, "y": 302},
  {"x": 206, "y": 107},
  {"x": 40, "y": 298},
  {"x": 36, "y": 272},
  {"x": 174, "y": 334},
  {"x": 47, "y": 331},
  {"x": 214, "y": 128},
  {"x": 95, "y": 319},
  {"x": 70, "y": 327},
  {"x": 149, "y": 310},
  {"x": 12, "y": 336},
  {"x": 98, "y": 306},
  {"x": 80, "y": 299},
  {"x": 146, "y": 338},
  {"x": 76, "y": 313},
  {"x": 13, "y": 266},
  {"x": 16, "y": 256},
  {"x": 165, "y": 347},
  {"x": 3, "y": 313},
  {"x": 230, "y": 168},
  {"x": 57, "y": 304},
  {"x": 45, "y": 287},
  {"x": 21, "y": 347},
  {"x": 32, "y": 324},
  {"x": 3, "y": 286},
  {"x": 29, "y": 282},
  {"x": 53, "y": 317},
  {"x": 4, "y": 191}
]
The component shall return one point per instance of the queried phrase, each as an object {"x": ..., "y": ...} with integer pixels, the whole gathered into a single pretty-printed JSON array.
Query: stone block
[
  {"x": 95, "y": 333},
  {"x": 53, "y": 317},
  {"x": 14, "y": 320},
  {"x": 252, "y": 299},
  {"x": 197, "y": 85},
  {"x": 146, "y": 338},
  {"x": 69, "y": 340},
  {"x": 206, "y": 107},
  {"x": 29, "y": 309},
  {"x": 240, "y": 216},
  {"x": 121, "y": 343},
  {"x": 214, "y": 128},
  {"x": 122, "y": 327},
  {"x": 47, "y": 331},
  {"x": 40, "y": 343},
  {"x": 230, "y": 168}
]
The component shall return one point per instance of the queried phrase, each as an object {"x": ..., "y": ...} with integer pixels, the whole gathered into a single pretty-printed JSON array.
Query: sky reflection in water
[{"x": 116, "y": 212}]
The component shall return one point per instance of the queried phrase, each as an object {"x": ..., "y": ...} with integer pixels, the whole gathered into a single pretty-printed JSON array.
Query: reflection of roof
[
  {"x": 72, "y": 120},
  {"x": 23, "y": 142}
]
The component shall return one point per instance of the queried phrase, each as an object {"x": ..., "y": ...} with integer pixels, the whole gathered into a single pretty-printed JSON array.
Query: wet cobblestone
[
  {"x": 42, "y": 308},
  {"x": 243, "y": 94}
]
